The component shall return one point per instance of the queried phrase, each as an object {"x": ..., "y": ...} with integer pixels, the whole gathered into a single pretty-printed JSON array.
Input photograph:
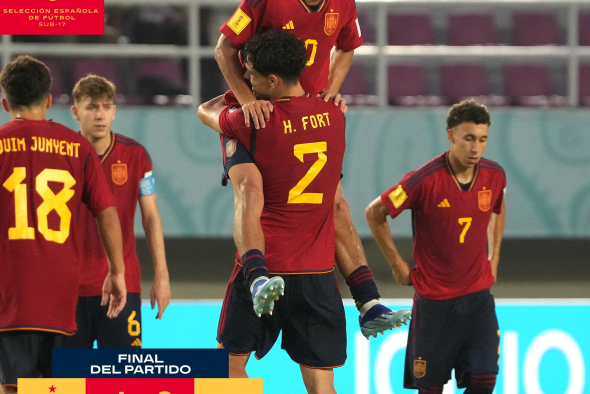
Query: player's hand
[
  {"x": 326, "y": 95},
  {"x": 114, "y": 293},
  {"x": 160, "y": 294},
  {"x": 259, "y": 111},
  {"x": 401, "y": 274}
]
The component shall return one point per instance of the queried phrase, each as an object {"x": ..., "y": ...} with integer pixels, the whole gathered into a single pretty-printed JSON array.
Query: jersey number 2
[
  {"x": 296, "y": 195},
  {"x": 51, "y": 201}
]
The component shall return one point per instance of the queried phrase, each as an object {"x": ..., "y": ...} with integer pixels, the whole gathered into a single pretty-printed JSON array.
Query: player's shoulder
[
  {"x": 489, "y": 165},
  {"x": 130, "y": 143},
  {"x": 425, "y": 172}
]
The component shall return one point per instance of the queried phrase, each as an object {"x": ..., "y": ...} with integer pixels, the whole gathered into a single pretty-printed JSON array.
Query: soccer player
[
  {"x": 46, "y": 171},
  {"x": 128, "y": 170},
  {"x": 457, "y": 203},
  {"x": 322, "y": 25},
  {"x": 299, "y": 155}
]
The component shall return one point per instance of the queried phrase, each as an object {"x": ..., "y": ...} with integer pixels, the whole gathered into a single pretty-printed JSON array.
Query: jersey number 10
[{"x": 51, "y": 201}]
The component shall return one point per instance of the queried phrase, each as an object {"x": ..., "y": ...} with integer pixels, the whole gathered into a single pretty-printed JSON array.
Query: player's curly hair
[
  {"x": 468, "y": 111},
  {"x": 277, "y": 52},
  {"x": 94, "y": 87},
  {"x": 25, "y": 82}
]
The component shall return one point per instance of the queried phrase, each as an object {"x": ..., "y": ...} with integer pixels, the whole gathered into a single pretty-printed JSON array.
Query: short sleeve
[
  {"x": 350, "y": 35},
  {"x": 232, "y": 125},
  {"x": 500, "y": 199},
  {"x": 242, "y": 25},
  {"x": 401, "y": 197},
  {"x": 97, "y": 195}
]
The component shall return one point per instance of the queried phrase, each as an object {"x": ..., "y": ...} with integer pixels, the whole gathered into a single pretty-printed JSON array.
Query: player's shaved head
[
  {"x": 95, "y": 87},
  {"x": 25, "y": 82},
  {"x": 468, "y": 111},
  {"x": 277, "y": 52}
]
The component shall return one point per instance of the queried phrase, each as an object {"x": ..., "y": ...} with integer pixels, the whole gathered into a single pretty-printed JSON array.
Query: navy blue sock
[
  {"x": 362, "y": 286},
  {"x": 254, "y": 265}
]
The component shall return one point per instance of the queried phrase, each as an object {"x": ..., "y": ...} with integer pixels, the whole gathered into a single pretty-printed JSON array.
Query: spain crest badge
[
  {"x": 119, "y": 173},
  {"x": 331, "y": 23},
  {"x": 419, "y": 368},
  {"x": 484, "y": 199}
]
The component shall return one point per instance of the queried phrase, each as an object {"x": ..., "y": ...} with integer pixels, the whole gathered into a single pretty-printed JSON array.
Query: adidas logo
[
  {"x": 137, "y": 342},
  {"x": 444, "y": 204},
  {"x": 289, "y": 26}
]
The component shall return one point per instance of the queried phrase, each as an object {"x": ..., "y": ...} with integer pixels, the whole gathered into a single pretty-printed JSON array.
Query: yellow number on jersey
[
  {"x": 21, "y": 230},
  {"x": 314, "y": 49},
  {"x": 296, "y": 195},
  {"x": 467, "y": 223},
  {"x": 51, "y": 201},
  {"x": 134, "y": 327}
]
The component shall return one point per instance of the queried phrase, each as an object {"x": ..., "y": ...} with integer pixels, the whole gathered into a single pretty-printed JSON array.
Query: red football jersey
[
  {"x": 334, "y": 23},
  {"x": 299, "y": 154},
  {"x": 450, "y": 225},
  {"x": 46, "y": 172},
  {"x": 125, "y": 164}
]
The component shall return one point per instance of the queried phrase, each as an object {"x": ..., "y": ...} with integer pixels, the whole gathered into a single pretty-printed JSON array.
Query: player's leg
[
  {"x": 318, "y": 381},
  {"x": 436, "y": 335},
  {"x": 314, "y": 333},
  {"x": 248, "y": 203},
  {"x": 431, "y": 390},
  {"x": 478, "y": 367},
  {"x": 20, "y": 356},
  {"x": 86, "y": 312},
  {"x": 352, "y": 263},
  {"x": 124, "y": 331},
  {"x": 239, "y": 330}
]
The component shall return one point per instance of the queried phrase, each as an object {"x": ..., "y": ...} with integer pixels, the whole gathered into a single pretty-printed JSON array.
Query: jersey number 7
[{"x": 51, "y": 201}]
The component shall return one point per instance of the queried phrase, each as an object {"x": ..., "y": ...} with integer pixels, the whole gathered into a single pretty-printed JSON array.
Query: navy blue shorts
[
  {"x": 26, "y": 354},
  {"x": 234, "y": 152},
  {"x": 310, "y": 314},
  {"x": 460, "y": 333},
  {"x": 122, "y": 332}
]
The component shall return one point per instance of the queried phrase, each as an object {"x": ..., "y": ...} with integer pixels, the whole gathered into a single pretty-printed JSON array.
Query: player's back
[
  {"x": 46, "y": 171},
  {"x": 299, "y": 155}
]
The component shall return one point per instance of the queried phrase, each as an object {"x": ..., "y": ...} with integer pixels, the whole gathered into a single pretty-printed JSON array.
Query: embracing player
[
  {"x": 458, "y": 216},
  {"x": 322, "y": 25},
  {"x": 299, "y": 155},
  {"x": 128, "y": 169}
]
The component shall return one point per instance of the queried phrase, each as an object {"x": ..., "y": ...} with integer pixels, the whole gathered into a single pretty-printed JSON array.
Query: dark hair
[
  {"x": 94, "y": 87},
  {"x": 25, "y": 82},
  {"x": 468, "y": 111},
  {"x": 277, "y": 52}
]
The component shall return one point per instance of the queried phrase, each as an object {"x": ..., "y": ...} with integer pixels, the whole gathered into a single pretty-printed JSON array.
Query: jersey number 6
[
  {"x": 51, "y": 201},
  {"x": 296, "y": 195}
]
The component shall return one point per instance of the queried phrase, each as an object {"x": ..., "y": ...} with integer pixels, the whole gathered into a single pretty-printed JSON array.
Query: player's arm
[
  {"x": 152, "y": 225},
  {"x": 210, "y": 111},
  {"x": 495, "y": 233},
  {"x": 226, "y": 54},
  {"x": 114, "y": 287},
  {"x": 376, "y": 214},
  {"x": 339, "y": 65}
]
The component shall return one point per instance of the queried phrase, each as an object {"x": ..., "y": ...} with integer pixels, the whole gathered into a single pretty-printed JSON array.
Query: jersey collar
[
  {"x": 307, "y": 8},
  {"x": 455, "y": 180},
  {"x": 107, "y": 153}
]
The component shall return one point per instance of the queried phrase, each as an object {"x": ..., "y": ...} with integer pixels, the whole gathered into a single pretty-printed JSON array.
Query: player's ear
[
  {"x": 48, "y": 101},
  {"x": 75, "y": 113},
  {"x": 114, "y": 111},
  {"x": 450, "y": 136},
  {"x": 5, "y": 104},
  {"x": 273, "y": 80}
]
